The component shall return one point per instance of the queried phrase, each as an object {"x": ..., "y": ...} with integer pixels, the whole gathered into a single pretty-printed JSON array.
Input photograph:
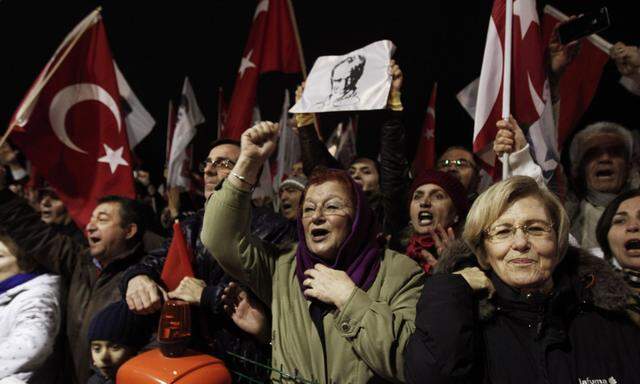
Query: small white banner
[{"x": 357, "y": 81}]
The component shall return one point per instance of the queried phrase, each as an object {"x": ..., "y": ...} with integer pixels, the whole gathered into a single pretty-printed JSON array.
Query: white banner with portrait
[{"x": 357, "y": 81}]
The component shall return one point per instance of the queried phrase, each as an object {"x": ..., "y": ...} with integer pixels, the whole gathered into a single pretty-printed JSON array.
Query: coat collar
[{"x": 591, "y": 279}]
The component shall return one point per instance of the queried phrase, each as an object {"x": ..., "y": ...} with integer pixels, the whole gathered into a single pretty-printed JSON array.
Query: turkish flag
[
  {"x": 530, "y": 102},
  {"x": 271, "y": 46},
  {"x": 70, "y": 124},
  {"x": 426, "y": 155},
  {"x": 223, "y": 112},
  {"x": 178, "y": 263},
  {"x": 579, "y": 82}
]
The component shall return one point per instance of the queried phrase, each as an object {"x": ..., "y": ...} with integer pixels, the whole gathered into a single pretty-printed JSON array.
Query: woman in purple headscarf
[{"x": 342, "y": 306}]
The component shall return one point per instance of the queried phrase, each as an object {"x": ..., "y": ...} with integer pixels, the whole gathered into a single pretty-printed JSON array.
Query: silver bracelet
[{"x": 242, "y": 179}]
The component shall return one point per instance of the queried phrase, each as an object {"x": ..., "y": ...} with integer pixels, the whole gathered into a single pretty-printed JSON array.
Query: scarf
[
  {"x": 417, "y": 243},
  {"x": 600, "y": 199},
  {"x": 359, "y": 254},
  {"x": 15, "y": 280}
]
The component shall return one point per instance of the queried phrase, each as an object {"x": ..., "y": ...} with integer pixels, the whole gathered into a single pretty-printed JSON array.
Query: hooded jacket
[
  {"x": 30, "y": 318},
  {"x": 581, "y": 332}
]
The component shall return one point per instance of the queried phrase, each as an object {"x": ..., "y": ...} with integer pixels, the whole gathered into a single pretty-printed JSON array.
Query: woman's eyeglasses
[
  {"x": 506, "y": 233},
  {"x": 458, "y": 163}
]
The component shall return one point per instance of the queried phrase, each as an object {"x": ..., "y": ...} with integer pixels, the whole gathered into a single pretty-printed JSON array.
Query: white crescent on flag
[{"x": 72, "y": 95}]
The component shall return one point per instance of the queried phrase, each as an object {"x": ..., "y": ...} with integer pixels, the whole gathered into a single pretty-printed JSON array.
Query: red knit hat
[{"x": 454, "y": 188}]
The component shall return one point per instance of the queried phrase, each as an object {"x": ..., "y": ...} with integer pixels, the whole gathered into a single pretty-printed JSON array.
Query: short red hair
[{"x": 322, "y": 175}]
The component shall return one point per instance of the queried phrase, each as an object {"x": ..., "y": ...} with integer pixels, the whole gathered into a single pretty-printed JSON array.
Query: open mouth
[
  {"x": 319, "y": 234},
  {"x": 93, "y": 240},
  {"x": 425, "y": 218},
  {"x": 632, "y": 245},
  {"x": 604, "y": 173},
  {"x": 286, "y": 205}
]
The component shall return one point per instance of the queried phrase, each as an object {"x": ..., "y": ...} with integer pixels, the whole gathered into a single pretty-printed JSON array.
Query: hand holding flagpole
[{"x": 506, "y": 78}]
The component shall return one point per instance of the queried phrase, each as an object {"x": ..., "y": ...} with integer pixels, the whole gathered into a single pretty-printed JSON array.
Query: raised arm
[
  {"x": 313, "y": 151},
  {"x": 394, "y": 167},
  {"x": 55, "y": 252},
  {"x": 226, "y": 230},
  {"x": 510, "y": 139}
]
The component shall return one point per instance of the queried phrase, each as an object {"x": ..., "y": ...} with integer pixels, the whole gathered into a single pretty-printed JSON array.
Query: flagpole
[
  {"x": 294, "y": 24},
  {"x": 506, "y": 78},
  {"x": 36, "y": 91},
  {"x": 303, "y": 66},
  {"x": 169, "y": 138},
  {"x": 219, "y": 130}
]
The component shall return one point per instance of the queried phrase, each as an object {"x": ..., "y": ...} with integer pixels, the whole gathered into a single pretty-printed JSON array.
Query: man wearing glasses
[
  {"x": 144, "y": 291},
  {"x": 460, "y": 163}
]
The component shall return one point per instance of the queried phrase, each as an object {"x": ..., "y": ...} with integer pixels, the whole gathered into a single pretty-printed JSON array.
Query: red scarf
[{"x": 417, "y": 243}]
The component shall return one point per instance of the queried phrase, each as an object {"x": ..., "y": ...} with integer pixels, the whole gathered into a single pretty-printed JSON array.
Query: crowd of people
[{"x": 364, "y": 274}]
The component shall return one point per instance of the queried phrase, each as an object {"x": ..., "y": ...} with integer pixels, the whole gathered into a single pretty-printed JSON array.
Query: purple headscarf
[{"x": 359, "y": 254}]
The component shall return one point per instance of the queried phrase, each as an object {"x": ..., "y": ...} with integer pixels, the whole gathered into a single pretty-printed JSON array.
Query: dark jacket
[
  {"x": 89, "y": 290},
  {"x": 98, "y": 378},
  {"x": 389, "y": 203},
  {"x": 213, "y": 331},
  {"x": 580, "y": 333}
]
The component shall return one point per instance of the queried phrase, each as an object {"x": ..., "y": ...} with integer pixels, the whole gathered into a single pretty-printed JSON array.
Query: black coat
[{"x": 580, "y": 333}]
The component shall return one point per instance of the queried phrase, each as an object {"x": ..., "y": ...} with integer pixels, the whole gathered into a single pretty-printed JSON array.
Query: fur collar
[{"x": 601, "y": 285}]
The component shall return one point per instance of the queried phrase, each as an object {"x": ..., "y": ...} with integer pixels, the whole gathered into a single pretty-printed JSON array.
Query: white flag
[
  {"x": 357, "y": 81},
  {"x": 342, "y": 142},
  {"x": 288, "y": 146},
  {"x": 138, "y": 120},
  {"x": 189, "y": 116}
]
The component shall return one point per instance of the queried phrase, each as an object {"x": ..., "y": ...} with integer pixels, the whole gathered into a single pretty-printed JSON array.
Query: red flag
[
  {"x": 530, "y": 102},
  {"x": 178, "y": 262},
  {"x": 580, "y": 79},
  {"x": 272, "y": 46},
  {"x": 223, "y": 113},
  {"x": 70, "y": 124},
  {"x": 426, "y": 155}
]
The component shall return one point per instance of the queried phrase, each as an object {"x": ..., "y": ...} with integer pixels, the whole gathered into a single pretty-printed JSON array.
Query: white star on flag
[
  {"x": 113, "y": 158},
  {"x": 430, "y": 134},
  {"x": 263, "y": 6},
  {"x": 246, "y": 63},
  {"x": 526, "y": 9}
]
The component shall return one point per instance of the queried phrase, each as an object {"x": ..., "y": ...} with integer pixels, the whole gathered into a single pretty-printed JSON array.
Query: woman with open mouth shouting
[
  {"x": 342, "y": 307},
  {"x": 437, "y": 207},
  {"x": 618, "y": 234}
]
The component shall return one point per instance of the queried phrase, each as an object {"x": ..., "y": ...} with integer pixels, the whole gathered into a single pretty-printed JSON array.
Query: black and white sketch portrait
[
  {"x": 344, "y": 80},
  {"x": 357, "y": 81}
]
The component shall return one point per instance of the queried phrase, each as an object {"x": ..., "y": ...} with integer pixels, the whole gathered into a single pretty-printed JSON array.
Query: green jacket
[{"x": 364, "y": 342}]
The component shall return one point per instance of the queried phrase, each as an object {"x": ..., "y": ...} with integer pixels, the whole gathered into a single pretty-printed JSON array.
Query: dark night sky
[{"x": 157, "y": 43}]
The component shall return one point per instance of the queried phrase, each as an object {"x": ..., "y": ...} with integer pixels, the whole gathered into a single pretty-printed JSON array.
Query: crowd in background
[{"x": 366, "y": 273}]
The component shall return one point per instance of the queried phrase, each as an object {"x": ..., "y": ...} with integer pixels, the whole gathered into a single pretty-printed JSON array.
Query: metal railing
[{"x": 270, "y": 374}]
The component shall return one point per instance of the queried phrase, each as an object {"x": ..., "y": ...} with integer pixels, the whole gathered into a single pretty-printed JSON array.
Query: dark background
[{"x": 157, "y": 43}]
